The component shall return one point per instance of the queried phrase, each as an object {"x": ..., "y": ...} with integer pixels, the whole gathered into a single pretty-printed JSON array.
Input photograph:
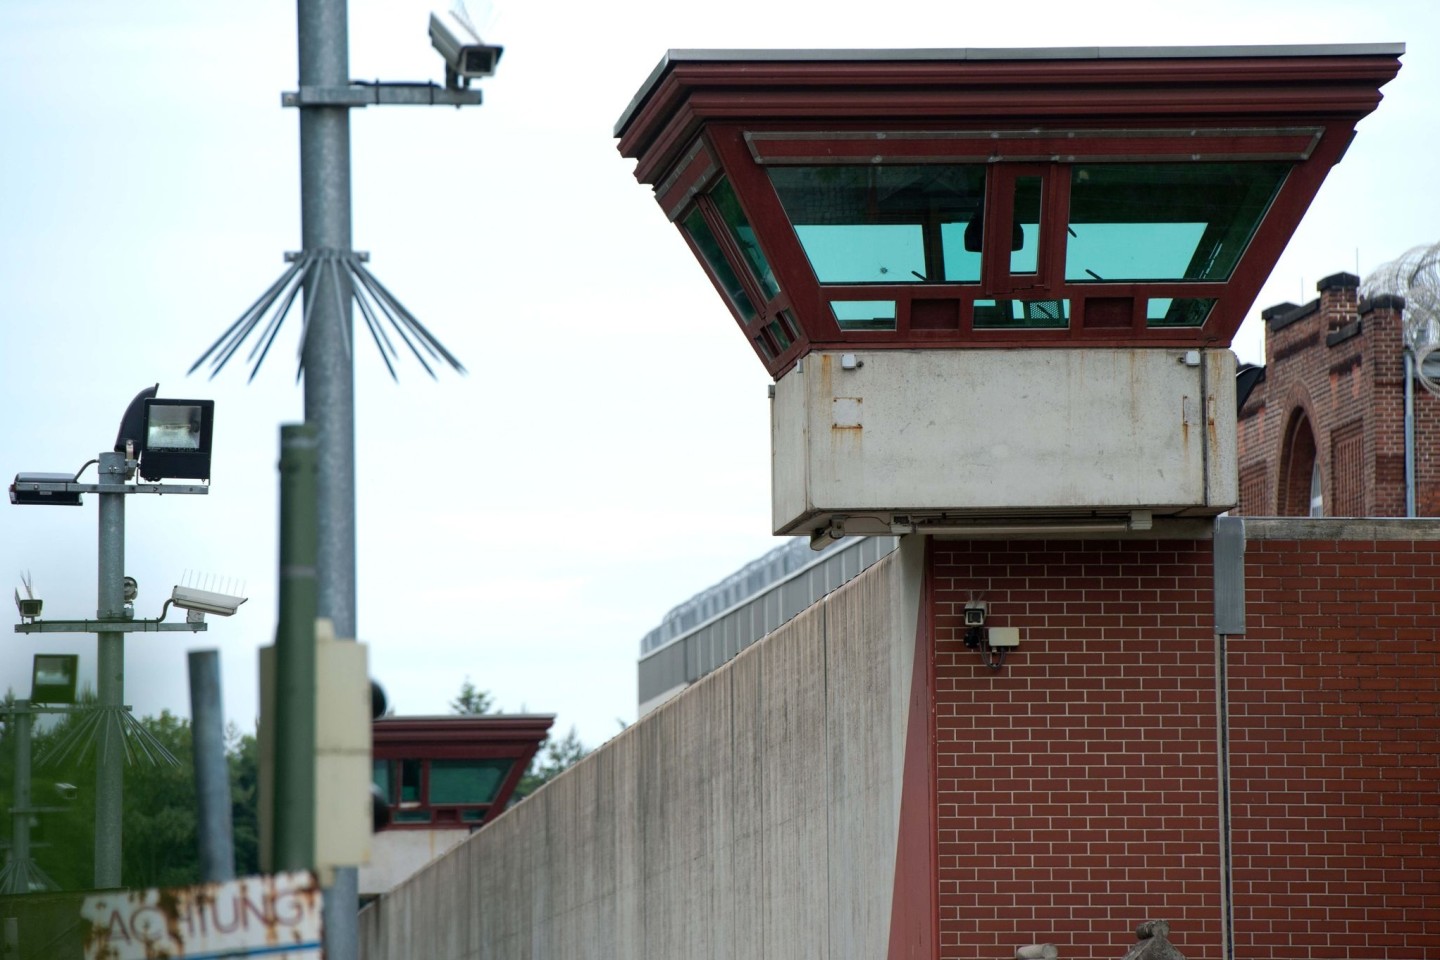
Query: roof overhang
[{"x": 704, "y": 116}]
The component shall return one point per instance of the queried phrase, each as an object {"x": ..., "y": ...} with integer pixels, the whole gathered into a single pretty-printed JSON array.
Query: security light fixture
[
  {"x": 44, "y": 488},
  {"x": 53, "y": 679},
  {"x": 169, "y": 438}
]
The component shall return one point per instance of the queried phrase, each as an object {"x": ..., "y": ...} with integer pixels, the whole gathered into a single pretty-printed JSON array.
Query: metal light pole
[
  {"x": 329, "y": 373},
  {"x": 110, "y": 683},
  {"x": 19, "y": 870},
  {"x": 213, "y": 821},
  {"x": 181, "y": 448},
  {"x": 325, "y": 98}
]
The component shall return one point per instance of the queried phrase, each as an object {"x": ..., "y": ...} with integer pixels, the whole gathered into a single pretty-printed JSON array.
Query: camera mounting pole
[{"x": 334, "y": 281}]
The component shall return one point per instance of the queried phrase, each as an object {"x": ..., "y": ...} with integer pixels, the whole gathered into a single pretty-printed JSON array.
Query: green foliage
[
  {"x": 554, "y": 756},
  {"x": 552, "y": 759},
  {"x": 160, "y": 847},
  {"x": 472, "y": 701},
  {"x": 243, "y": 753}
]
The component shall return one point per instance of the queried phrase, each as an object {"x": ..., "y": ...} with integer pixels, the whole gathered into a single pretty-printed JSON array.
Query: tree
[
  {"x": 472, "y": 701},
  {"x": 160, "y": 847},
  {"x": 554, "y": 756},
  {"x": 552, "y": 759}
]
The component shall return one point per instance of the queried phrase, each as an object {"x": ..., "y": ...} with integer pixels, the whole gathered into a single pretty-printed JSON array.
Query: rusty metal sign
[{"x": 276, "y": 917}]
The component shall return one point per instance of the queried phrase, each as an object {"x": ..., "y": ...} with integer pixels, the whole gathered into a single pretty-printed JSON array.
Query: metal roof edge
[{"x": 1000, "y": 53}]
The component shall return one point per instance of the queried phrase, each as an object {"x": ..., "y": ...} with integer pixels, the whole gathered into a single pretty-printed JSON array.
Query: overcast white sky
[{"x": 608, "y": 453}]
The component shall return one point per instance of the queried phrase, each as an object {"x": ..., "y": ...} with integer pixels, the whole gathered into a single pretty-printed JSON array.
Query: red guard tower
[{"x": 996, "y": 288}]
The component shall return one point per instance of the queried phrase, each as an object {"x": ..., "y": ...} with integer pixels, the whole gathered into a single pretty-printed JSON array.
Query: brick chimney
[{"x": 1338, "y": 294}]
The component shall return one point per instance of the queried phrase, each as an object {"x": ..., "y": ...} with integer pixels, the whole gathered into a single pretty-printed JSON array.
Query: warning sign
[{"x": 276, "y": 917}]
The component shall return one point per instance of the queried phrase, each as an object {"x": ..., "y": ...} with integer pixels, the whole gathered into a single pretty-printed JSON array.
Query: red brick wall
[
  {"x": 1335, "y": 751},
  {"x": 1077, "y": 793},
  {"x": 1077, "y": 786},
  {"x": 1353, "y": 384}
]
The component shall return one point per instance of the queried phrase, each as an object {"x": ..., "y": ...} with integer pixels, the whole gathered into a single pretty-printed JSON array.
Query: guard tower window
[
  {"x": 1164, "y": 221},
  {"x": 885, "y": 223},
  {"x": 728, "y": 206},
  {"x": 709, "y": 249}
]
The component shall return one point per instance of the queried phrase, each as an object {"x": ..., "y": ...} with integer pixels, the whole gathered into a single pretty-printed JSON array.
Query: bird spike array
[
  {"x": 1415, "y": 275},
  {"x": 24, "y": 876},
  {"x": 110, "y": 728},
  {"x": 327, "y": 271}
]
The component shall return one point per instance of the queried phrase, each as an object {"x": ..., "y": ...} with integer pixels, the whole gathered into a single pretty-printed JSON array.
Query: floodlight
[
  {"x": 177, "y": 439},
  {"x": 170, "y": 438},
  {"x": 53, "y": 679},
  {"x": 44, "y": 488}
]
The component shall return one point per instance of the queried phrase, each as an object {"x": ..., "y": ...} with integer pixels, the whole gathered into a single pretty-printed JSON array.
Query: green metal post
[{"x": 294, "y": 737}]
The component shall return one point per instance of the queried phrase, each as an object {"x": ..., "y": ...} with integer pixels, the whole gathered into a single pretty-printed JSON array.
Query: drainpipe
[{"x": 1409, "y": 431}]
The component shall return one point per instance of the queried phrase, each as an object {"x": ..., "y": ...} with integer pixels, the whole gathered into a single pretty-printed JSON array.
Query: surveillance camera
[
  {"x": 465, "y": 55},
  {"x": 205, "y": 601},
  {"x": 28, "y": 605},
  {"x": 975, "y": 614},
  {"x": 129, "y": 589},
  {"x": 67, "y": 791}
]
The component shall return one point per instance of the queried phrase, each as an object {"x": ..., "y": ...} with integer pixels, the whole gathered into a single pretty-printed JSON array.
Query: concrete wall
[
  {"x": 1000, "y": 432},
  {"x": 397, "y": 854},
  {"x": 757, "y": 814}
]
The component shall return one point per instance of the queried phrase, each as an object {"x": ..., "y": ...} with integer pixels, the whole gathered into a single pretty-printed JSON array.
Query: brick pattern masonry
[{"x": 1078, "y": 786}]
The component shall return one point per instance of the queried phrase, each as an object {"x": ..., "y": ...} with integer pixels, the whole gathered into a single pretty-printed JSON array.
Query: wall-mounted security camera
[
  {"x": 975, "y": 614},
  {"x": 197, "y": 603},
  {"x": 466, "y": 57},
  {"x": 67, "y": 791}
]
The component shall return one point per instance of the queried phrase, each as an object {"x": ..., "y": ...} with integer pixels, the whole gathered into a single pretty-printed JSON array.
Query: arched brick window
[{"x": 1301, "y": 491}]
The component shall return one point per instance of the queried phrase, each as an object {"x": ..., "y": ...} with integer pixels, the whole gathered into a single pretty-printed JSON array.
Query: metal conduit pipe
[{"x": 1409, "y": 431}]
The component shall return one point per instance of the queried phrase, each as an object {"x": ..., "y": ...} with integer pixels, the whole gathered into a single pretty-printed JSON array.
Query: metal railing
[{"x": 697, "y": 651}]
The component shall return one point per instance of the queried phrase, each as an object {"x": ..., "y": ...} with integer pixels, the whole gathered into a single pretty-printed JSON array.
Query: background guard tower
[{"x": 996, "y": 288}]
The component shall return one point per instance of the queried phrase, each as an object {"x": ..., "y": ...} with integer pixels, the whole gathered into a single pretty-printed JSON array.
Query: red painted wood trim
[{"x": 914, "y": 902}]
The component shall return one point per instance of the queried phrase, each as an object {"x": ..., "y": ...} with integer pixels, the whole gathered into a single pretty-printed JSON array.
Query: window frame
[{"x": 742, "y": 153}]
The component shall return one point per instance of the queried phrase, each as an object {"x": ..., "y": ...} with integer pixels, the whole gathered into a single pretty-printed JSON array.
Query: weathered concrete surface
[
  {"x": 754, "y": 815},
  {"x": 1002, "y": 432}
]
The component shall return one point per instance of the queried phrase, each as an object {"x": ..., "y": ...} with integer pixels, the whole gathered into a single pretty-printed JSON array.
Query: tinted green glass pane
[
  {"x": 472, "y": 816},
  {"x": 879, "y": 253},
  {"x": 782, "y": 339},
  {"x": 864, "y": 314},
  {"x": 1179, "y": 312},
  {"x": 1022, "y": 314},
  {"x": 704, "y": 240},
  {"x": 729, "y": 207},
  {"x": 1027, "y": 215},
  {"x": 466, "y": 781},
  {"x": 409, "y": 781},
  {"x": 961, "y": 265},
  {"x": 410, "y": 816},
  {"x": 1165, "y": 221},
  {"x": 883, "y": 223},
  {"x": 380, "y": 774}
]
